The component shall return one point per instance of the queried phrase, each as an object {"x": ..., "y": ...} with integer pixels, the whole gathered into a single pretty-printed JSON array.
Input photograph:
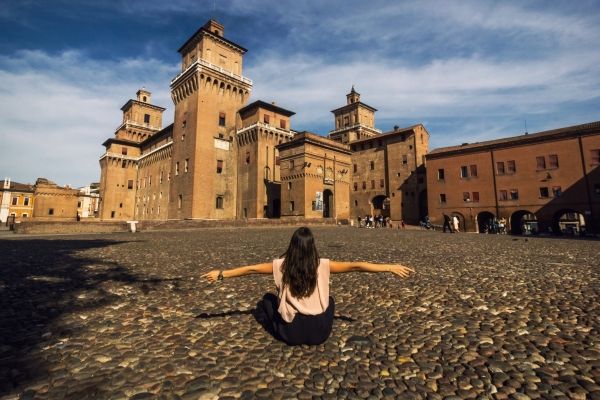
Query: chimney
[{"x": 6, "y": 183}]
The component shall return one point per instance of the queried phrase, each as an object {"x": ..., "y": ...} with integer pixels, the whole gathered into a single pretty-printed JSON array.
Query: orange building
[
  {"x": 220, "y": 158},
  {"x": 547, "y": 182},
  {"x": 16, "y": 201}
]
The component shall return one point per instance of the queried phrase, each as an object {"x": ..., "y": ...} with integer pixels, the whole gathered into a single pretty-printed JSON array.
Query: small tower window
[
  {"x": 222, "y": 119},
  {"x": 219, "y": 202},
  {"x": 144, "y": 99},
  {"x": 146, "y": 118}
]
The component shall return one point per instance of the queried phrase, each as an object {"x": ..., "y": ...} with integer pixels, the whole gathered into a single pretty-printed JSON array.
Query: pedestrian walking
[
  {"x": 447, "y": 224},
  {"x": 455, "y": 222},
  {"x": 302, "y": 311}
]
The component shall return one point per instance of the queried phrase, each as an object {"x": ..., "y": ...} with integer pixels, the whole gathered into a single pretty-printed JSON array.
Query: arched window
[{"x": 219, "y": 202}]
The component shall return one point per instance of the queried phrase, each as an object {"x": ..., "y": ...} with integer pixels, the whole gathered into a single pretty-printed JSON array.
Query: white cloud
[{"x": 58, "y": 109}]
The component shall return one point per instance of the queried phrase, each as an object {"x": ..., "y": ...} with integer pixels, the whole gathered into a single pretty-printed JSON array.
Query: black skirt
[{"x": 304, "y": 329}]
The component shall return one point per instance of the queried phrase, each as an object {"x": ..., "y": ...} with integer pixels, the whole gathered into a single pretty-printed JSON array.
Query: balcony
[{"x": 200, "y": 62}]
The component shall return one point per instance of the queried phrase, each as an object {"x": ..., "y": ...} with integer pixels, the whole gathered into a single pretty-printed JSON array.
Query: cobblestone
[{"x": 126, "y": 316}]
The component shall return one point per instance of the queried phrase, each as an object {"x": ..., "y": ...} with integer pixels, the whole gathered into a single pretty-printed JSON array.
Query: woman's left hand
[{"x": 211, "y": 276}]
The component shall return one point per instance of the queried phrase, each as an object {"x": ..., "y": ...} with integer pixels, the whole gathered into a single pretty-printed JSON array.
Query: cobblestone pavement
[{"x": 126, "y": 316}]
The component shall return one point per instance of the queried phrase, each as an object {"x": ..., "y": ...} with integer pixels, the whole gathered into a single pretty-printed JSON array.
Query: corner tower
[
  {"x": 354, "y": 121},
  {"x": 207, "y": 94},
  {"x": 118, "y": 165}
]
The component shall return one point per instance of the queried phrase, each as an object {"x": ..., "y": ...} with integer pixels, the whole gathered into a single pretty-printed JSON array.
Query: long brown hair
[{"x": 300, "y": 264}]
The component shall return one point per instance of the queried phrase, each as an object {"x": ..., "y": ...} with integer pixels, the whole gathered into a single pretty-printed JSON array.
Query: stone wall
[{"x": 40, "y": 227}]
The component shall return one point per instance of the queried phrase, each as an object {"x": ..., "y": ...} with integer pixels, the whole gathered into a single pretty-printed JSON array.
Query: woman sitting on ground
[{"x": 302, "y": 312}]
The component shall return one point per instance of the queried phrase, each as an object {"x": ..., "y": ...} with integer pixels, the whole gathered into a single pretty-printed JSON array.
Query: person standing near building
[
  {"x": 447, "y": 224},
  {"x": 455, "y": 222}
]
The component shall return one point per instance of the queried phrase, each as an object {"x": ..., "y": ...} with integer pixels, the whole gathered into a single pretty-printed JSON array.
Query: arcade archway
[
  {"x": 485, "y": 221},
  {"x": 568, "y": 222},
  {"x": 381, "y": 205},
  {"x": 523, "y": 222}
]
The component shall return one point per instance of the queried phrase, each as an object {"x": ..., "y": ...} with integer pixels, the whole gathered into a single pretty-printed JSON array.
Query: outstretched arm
[
  {"x": 360, "y": 266},
  {"x": 265, "y": 268}
]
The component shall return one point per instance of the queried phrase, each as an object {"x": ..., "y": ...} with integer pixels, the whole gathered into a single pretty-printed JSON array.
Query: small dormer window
[{"x": 145, "y": 99}]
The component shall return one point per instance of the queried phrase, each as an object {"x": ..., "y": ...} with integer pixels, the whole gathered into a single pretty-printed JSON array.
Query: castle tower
[
  {"x": 118, "y": 165},
  {"x": 207, "y": 94},
  {"x": 354, "y": 121}
]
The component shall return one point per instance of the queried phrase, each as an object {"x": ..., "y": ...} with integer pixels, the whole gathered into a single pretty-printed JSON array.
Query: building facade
[
  {"x": 315, "y": 177},
  {"x": 224, "y": 159},
  {"x": 16, "y": 201},
  {"x": 388, "y": 175},
  {"x": 548, "y": 182}
]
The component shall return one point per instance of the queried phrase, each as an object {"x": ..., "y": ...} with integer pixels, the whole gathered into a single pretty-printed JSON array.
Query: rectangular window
[
  {"x": 291, "y": 164},
  {"x": 78, "y": 204},
  {"x": 130, "y": 184},
  {"x": 541, "y": 162},
  {"x": 291, "y": 206},
  {"x": 177, "y": 168},
  {"x": 277, "y": 160},
  {"x": 503, "y": 195},
  {"x": 373, "y": 184},
  {"x": 556, "y": 191},
  {"x": 442, "y": 198},
  {"x": 146, "y": 118},
  {"x": 15, "y": 201},
  {"x": 160, "y": 177},
  {"x": 372, "y": 165},
  {"x": 511, "y": 167},
  {"x": 25, "y": 215},
  {"x": 221, "y": 119},
  {"x": 466, "y": 196},
  {"x": 553, "y": 161},
  {"x": 346, "y": 121},
  {"x": 464, "y": 171},
  {"x": 514, "y": 194},
  {"x": 544, "y": 192},
  {"x": 186, "y": 166},
  {"x": 364, "y": 185},
  {"x": 441, "y": 175},
  {"x": 282, "y": 124},
  {"x": 219, "y": 202},
  {"x": 179, "y": 201},
  {"x": 355, "y": 186},
  {"x": 473, "y": 169},
  {"x": 112, "y": 214},
  {"x": 266, "y": 118},
  {"x": 355, "y": 168},
  {"x": 595, "y": 156},
  {"x": 51, "y": 211},
  {"x": 500, "y": 168},
  {"x": 289, "y": 185},
  {"x": 475, "y": 196},
  {"x": 124, "y": 151},
  {"x": 247, "y": 157},
  {"x": 381, "y": 183},
  {"x": 26, "y": 201},
  {"x": 404, "y": 159},
  {"x": 219, "y": 166}
]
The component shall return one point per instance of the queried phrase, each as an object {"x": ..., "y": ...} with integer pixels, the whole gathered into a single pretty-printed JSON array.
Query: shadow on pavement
[{"x": 40, "y": 281}]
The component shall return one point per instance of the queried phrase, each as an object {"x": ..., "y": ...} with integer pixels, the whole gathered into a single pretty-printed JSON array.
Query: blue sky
[{"x": 468, "y": 70}]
